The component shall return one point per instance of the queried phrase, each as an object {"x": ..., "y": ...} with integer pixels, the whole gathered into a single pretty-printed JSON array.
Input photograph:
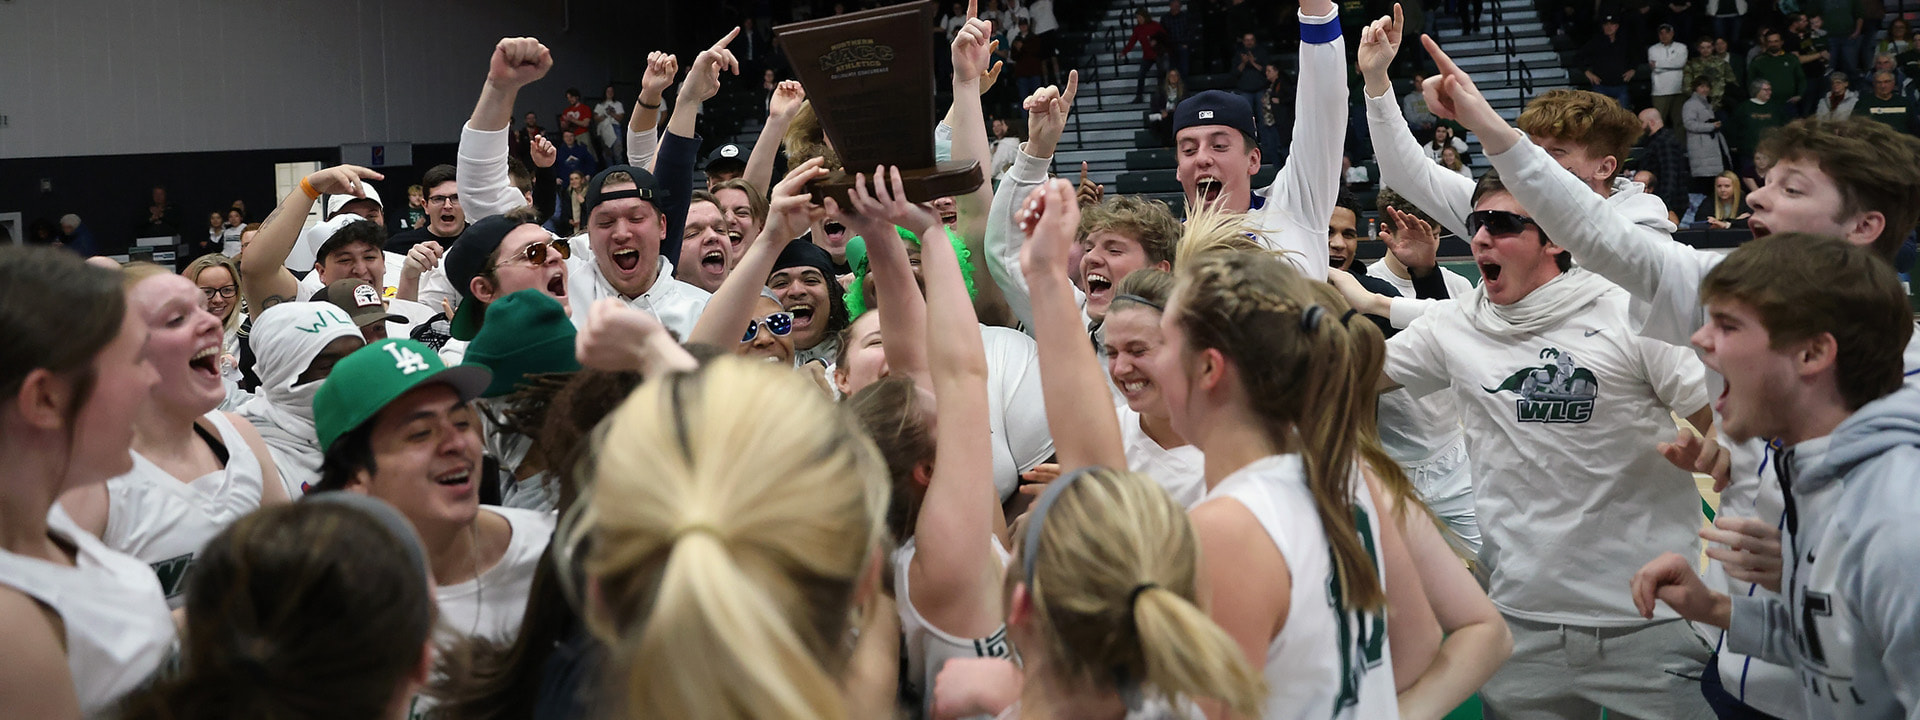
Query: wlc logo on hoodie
[{"x": 1559, "y": 392}]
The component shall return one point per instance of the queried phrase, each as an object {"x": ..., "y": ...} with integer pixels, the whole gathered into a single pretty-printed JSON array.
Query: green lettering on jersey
[
  {"x": 1363, "y": 634},
  {"x": 173, "y": 573}
]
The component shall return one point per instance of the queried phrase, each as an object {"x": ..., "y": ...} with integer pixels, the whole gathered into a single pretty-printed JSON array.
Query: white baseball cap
[{"x": 335, "y": 202}]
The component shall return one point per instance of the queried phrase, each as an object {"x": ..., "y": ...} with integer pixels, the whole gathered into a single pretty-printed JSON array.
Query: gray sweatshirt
[{"x": 1849, "y": 621}]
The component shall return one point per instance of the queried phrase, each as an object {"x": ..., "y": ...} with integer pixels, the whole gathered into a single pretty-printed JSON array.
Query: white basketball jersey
[
  {"x": 165, "y": 521},
  {"x": 1327, "y": 663},
  {"x": 928, "y": 648},
  {"x": 118, "y": 630}
]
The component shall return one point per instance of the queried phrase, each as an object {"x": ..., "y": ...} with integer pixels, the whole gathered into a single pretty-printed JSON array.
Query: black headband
[{"x": 1130, "y": 297}]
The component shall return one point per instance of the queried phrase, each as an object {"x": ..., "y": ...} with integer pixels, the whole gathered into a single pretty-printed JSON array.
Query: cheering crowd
[{"x": 682, "y": 462}]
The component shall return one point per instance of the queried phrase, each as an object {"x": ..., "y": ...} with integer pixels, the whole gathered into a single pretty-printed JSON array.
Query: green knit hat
[
  {"x": 526, "y": 333},
  {"x": 857, "y": 260}
]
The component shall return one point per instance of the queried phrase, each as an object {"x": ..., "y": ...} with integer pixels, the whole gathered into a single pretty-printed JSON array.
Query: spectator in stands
[
  {"x": 416, "y": 208},
  {"x": 1450, "y": 159},
  {"x": 519, "y": 144},
  {"x": 193, "y": 246},
  {"x": 1666, "y": 157},
  {"x": 1250, "y": 70},
  {"x": 610, "y": 120},
  {"x": 1275, "y": 113},
  {"x": 1899, "y": 39},
  {"x": 1183, "y": 33},
  {"x": 1706, "y": 151},
  {"x": 1152, "y": 39},
  {"x": 1610, "y": 62},
  {"x": 1046, "y": 29},
  {"x": 1844, "y": 20},
  {"x": 1414, "y": 108},
  {"x": 1812, "y": 47},
  {"x": 230, "y": 234},
  {"x": 1885, "y": 64},
  {"x": 1166, "y": 98},
  {"x": 1711, "y": 66},
  {"x": 954, "y": 19},
  {"x": 576, "y": 117},
  {"x": 1006, "y": 145},
  {"x": 1838, "y": 103},
  {"x": 1886, "y": 105},
  {"x": 1443, "y": 138},
  {"x": 76, "y": 236},
  {"x": 1754, "y": 118},
  {"x": 445, "y": 217},
  {"x": 1727, "y": 16},
  {"x": 575, "y": 157},
  {"x": 1029, "y": 60},
  {"x": 1727, "y": 208},
  {"x": 1780, "y": 69},
  {"x": 1469, "y": 13},
  {"x": 1669, "y": 62}
]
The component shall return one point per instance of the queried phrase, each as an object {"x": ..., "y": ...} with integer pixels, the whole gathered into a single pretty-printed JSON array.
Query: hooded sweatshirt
[
  {"x": 1849, "y": 621},
  {"x": 286, "y": 338},
  {"x": 1563, "y": 407}
]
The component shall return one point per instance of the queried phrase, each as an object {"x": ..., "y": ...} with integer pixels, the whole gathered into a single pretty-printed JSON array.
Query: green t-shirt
[
  {"x": 1782, "y": 70},
  {"x": 1752, "y": 121}
]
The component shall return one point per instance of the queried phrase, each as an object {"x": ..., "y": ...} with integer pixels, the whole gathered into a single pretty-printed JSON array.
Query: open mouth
[
  {"x": 1098, "y": 283},
  {"x": 448, "y": 219},
  {"x": 833, "y": 228},
  {"x": 1490, "y": 271},
  {"x": 1208, "y": 189},
  {"x": 627, "y": 259},
  {"x": 1759, "y": 229},
  {"x": 1132, "y": 388},
  {"x": 557, "y": 286},
  {"x": 456, "y": 478},
  {"x": 714, "y": 262},
  {"x": 949, "y": 217},
  {"x": 802, "y": 314},
  {"x": 207, "y": 361},
  {"x": 1336, "y": 260}
]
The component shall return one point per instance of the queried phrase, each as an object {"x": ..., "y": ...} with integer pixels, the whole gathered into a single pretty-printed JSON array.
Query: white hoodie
[{"x": 285, "y": 339}]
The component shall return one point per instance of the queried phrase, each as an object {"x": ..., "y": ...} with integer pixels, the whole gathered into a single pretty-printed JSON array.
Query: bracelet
[
  {"x": 655, "y": 106},
  {"x": 307, "y": 187}
]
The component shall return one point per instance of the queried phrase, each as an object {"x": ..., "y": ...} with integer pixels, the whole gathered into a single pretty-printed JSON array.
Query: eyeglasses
[
  {"x": 779, "y": 324},
  {"x": 1497, "y": 222},
  {"x": 535, "y": 254},
  {"x": 227, "y": 291},
  {"x": 447, "y": 200}
]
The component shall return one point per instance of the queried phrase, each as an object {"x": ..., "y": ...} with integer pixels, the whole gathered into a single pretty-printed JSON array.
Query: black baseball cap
[
  {"x": 731, "y": 157},
  {"x": 1215, "y": 107},
  {"x": 645, "y": 188},
  {"x": 466, "y": 260}
]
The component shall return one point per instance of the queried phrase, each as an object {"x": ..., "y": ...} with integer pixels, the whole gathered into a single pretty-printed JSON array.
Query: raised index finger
[
  {"x": 973, "y": 9},
  {"x": 722, "y": 45},
  {"x": 1440, "y": 59},
  {"x": 1399, "y": 20}
]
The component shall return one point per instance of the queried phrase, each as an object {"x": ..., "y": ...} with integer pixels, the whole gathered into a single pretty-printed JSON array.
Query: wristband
[
  {"x": 655, "y": 106},
  {"x": 307, "y": 187},
  {"x": 1320, "y": 34}
]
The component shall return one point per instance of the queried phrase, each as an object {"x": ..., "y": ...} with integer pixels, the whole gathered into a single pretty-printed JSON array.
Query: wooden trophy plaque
[{"x": 869, "y": 76}]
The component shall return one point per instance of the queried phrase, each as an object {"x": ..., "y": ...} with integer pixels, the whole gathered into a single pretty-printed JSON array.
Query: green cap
[
  {"x": 364, "y": 382},
  {"x": 527, "y": 333}
]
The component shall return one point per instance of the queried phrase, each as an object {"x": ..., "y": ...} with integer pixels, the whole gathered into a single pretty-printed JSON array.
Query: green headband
[{"x": 857, "y": 259}]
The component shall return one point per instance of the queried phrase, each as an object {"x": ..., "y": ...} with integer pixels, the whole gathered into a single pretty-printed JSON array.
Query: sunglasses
[
  {"x": 1497, "y": 222},
  {"x": 535, "y": 254},
  {"x": 779, "y": 324}
]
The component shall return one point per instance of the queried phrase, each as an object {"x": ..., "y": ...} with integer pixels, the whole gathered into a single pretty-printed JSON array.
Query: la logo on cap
[
  {"x": 365, "y": 296},
  {"x": 1206, "y": 114},
  {"x": 730, "y": 151}
]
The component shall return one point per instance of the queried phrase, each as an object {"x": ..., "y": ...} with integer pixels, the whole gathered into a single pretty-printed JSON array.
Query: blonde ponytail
[
  {"x": 732, "y": 514},
  {"x": 1112, "y": 562}
]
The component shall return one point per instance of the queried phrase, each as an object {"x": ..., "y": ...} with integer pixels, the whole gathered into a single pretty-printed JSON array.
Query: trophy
[{"x": 869, "y": 76}]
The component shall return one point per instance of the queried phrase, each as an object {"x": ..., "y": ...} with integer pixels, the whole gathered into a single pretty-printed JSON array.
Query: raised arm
[
  {"x": 264, "y": 278},
  {"x": 1641, "y": 258},
  {"x": 1047, "y": 111},
  {"x": 1442, "y": 193},
  {"x": 1307, "y": 186},
  {"x": 787, "y": 98},
  {"x": 682, "y": 144},
  {"x": 955, "y": 573},
  {"x": 643, "y": 132},
  {"x": 903, "y": 311},
  {"x": 973, "y": 59},
  {"x": 790, "y": 213},
  {"x": 1080, "y": 411},
  {"x": 481, "y": 162}
]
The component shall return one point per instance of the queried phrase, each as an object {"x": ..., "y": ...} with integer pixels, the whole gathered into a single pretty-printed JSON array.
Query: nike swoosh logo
[{"x": 1591, "y": 333}]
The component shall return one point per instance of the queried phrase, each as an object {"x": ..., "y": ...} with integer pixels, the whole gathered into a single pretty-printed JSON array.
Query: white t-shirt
[
  {"x": 677, "y": 304},
  {"x": 164, "y": 521},
  {"x": 118, "y": 630},
  {"x": 1181, "y": 470},
  {"x": 491, "y": 605},
  {"x": 1041, "y": 14},
  {"x": 1562, "y": 426},
  {"x": 609, "y": 128},
  {"x": 1306, "y": 679}
]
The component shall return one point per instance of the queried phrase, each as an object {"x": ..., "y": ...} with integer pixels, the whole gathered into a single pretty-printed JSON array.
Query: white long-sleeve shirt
[
  {"x": 1293, "y": 211},
  {"x": 1669, "y": 62}
]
